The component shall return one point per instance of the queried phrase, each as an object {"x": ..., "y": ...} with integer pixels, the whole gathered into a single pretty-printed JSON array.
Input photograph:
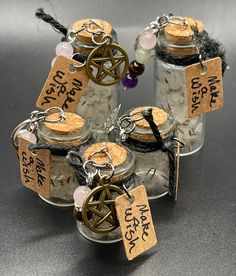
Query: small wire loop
[
  {"x": 104, "y": 151},
  {"x": 106, "y": 38},
  {"x": 77, "y": 67},
  {"x": 14, "y": 140},
  {"x": 61, "y": 115},
  {"x": 71, "y": 35},
  {"x": 91, "y": 163},
  {"x": 109, "y": 176},
  {"x": 139, "y": 118},
  {"x": 181, "y": 144},
  {"x": 127, "y": 192}
]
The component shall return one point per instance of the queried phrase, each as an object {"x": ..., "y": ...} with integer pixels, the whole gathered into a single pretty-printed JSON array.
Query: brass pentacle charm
[
  {"x": 100, "y": 205},
  {"x": 107, "y": 64}
]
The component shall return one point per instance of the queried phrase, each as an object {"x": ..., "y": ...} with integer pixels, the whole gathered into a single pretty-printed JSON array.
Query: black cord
[
  {"x": 58, "y": 27},
  {"x": 209, "y": 48}
]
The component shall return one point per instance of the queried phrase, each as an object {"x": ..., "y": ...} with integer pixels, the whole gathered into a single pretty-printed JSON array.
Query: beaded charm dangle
[{"x": 145, "y": 43}]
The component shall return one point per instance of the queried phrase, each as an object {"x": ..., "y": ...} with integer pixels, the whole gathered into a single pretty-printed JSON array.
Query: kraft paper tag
[
  {"x": 64, "y": 86},
  {"x": 136, "y": 222},
  {"x": 35, "y": 168},
  {"x": 204, "y": 87},
  {"x": 177, "y": 171}
]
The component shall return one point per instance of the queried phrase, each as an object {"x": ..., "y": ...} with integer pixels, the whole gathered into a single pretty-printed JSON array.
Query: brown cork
[
  {"x": 86, "y": 36},
  {"x": 72, "y": 123},
  {"x": 159, "y": 115},
  {"x": 118, "y": 153},
  {"x": 183, "y": 34}
]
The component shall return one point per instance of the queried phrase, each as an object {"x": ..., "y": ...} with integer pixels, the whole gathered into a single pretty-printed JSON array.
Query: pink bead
[
  {"x": 64, "y": 49},
  {"x": 80, "y": 195},
  {"x": 27, "y": 135},
  {"x": 147, "y": 40}
]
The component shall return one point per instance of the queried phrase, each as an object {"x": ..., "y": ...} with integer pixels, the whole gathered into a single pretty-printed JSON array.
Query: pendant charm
[
  {"x": 101, "y": 205},
  {"x": 108, "y": 63}
]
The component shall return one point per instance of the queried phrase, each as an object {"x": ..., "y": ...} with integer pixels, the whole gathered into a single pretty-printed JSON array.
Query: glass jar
[
  {"x": 60, "y": 137},
  {"x": 151, "y": 163},
  {"x": 123, "y": 161},
  {"x": 98, "y": 101},
  {"x": 177, "y": 48}
]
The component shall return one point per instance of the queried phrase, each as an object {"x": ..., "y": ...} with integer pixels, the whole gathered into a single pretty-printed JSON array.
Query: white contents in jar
[
  {"x": 63, "y": 179},
  {"x": 152, "y": 168},
  {"x": 97, "y": 104},
  {"x": 171, "y": 92}
]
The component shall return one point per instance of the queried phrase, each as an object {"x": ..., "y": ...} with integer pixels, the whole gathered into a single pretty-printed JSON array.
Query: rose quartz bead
[
  {"x": 80, "y": 195},
  {"x": 27, "y": 135},
  {"x": 64, "y": 49},
  {"x": 147, "y": 40}
]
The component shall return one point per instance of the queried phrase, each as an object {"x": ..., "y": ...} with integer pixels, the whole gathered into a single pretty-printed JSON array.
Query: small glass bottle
[
  {"x": 60, "y": 137},
  {"x": 177, "y": 48},
  {"x": 98, "y": 101},
  {"x": 123, "y": 177},
  {"x": 151, "y": 163}
]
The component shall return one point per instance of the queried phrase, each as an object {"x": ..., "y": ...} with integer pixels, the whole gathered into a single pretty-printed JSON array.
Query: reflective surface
[{"x": 196, "y": 235}]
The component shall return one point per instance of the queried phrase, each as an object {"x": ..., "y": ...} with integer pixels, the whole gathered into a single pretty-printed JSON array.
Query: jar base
[
  {"x": 56, "y": 203},
  {"x": 190, "y": 152},
  {"x": 112, "y": 237},
  {"x": 156, "y": 189}
]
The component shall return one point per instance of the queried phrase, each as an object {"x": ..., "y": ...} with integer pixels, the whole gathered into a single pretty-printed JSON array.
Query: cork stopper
[
  {"x": 159, "y": 115},
  {"x": 85, "y": 36},
  {"x": 183, "y": 34},
  {"x": 118, "y": 153},
  {"x": 143, "y": 132},
  {"x": 72, "y": 123}
]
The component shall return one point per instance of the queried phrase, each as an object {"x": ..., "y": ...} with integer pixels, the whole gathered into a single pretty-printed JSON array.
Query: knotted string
[
  {"x": 166, "y": 145},
  {"x": 58, "y": 27}
]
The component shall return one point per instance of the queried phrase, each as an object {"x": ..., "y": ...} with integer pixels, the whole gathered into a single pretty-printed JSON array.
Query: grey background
[{"x": 196, "y": 235}]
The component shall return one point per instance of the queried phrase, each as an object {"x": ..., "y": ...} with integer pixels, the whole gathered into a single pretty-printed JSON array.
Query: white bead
[
  {"x": 80, "y": 195},
  {"x": 142, "y": 56},
  {"x": 27, "y": 135}
]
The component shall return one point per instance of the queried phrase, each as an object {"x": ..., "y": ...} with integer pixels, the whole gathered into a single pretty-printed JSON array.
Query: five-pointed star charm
[
  {"x": 107, "y": 63},
  {"x": 104, "y": 217}
]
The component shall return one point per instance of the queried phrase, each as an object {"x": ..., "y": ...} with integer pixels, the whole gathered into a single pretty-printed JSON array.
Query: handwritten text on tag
[
  {"x": 136, "y": 222},
  {"x": 35, "y": 168},
  {"x": 205, "y": 89},
  {"x": 64, "y": 86}
]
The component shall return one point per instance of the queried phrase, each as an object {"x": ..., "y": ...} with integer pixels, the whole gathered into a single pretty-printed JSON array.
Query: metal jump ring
[
  {"x": 78, "y": 66},
  {"x": 71, "y": 35},
  {"x": 61, "y": 116},
  {"x": 139, "y": 118},
  {"x": 181, "y": 144},
  {"x": 111, "y": 174},
  {"x": 14, "y": 139},
  {"x": 91, "y": 162},
  {"x": 89, "y": 23},
  {"x": 104, "y": 40},
  {"x": 102, "y": 150}
]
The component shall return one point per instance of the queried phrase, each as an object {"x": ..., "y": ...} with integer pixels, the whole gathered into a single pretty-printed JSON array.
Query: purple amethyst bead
[{"x": 129, "y": 81}]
